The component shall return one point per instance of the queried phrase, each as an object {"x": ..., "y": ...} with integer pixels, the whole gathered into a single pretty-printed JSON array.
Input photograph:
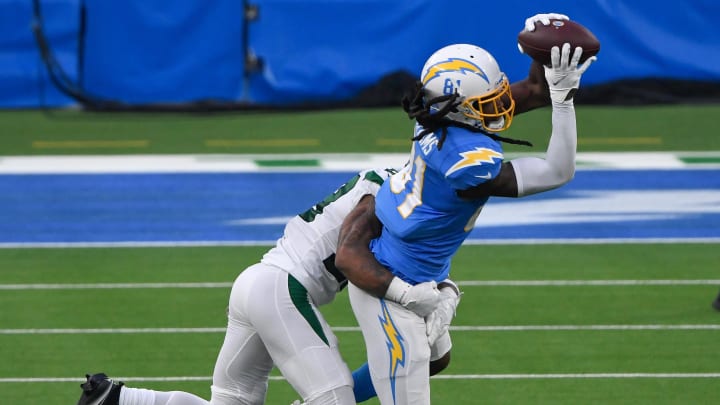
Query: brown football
[{"x": 537, "y": 44}]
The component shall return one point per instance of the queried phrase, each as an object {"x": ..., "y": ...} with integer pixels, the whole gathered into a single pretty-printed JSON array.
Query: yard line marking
[
  {"x": 546, "y": 283},
  {"x": 489, "y": 328},
  {"x": 572, "y": 376},
  {"x": 582, "y": 327},
  {"x": 111, "y": 286},
  {"x": 351, "y": 162},
  {"x": 467, "y": 283},
  {"x": 636, "y": 140},
  {"x": 269, "y": 243},
  {"x": 234, "y": 143},
  {"x": 590, "y": 241},
  {"x": 74, "y": 379},
  {"x": 437, "y": 377},
  {"x": 95, "y": 331},
  {"x": 78, "y": 144},
  {"x": 522, "y": 328}
]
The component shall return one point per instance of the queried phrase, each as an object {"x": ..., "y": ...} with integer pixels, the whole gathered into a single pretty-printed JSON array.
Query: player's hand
[
  {"x": 422, "y": 298},
  {"x": 438, "y": 322},
  {"x": 563, "y": 75},
  {"x": 543, "y": 19}
]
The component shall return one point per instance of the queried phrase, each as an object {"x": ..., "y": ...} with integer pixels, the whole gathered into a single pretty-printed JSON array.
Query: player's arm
[
  {"x": 353, "y": 256},
  {"x": 357, "y": 263},
  {"x": 531, "y": 175},
  {"x": 531, "y": 92}
]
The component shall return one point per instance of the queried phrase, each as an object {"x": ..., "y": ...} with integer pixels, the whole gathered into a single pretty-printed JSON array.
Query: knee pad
[
  {"x": 338, "y": 396},
  {"x": 222, "y": 396}
]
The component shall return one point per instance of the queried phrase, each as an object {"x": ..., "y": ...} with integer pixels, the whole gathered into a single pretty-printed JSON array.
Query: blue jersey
[{"x": 424, "y": 221}]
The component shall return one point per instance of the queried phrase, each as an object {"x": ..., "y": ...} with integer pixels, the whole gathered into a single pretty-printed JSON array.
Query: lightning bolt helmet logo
[
  {"x": 484, "y": 99},
  {"x": 453, "y": 65}
]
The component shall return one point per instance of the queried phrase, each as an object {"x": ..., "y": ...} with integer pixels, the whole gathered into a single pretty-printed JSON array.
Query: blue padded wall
[{"x": 153, "y": 51}]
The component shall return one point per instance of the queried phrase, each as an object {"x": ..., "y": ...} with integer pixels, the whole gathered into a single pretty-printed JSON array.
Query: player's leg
[
  {"x": 139, "y": 396},
  {"x": 716, "y": 303},
  {"x": 397, "y": 347},
  {"x": 299, "y": 339},
  {"x": 99, "y": 389},
  {"x": 241, "y": 369},
  {"x": 363, "y": 388},
  {"x": 440, "y": 353},
  {"x": 243, "y": 364},
  {"x": 439, "y": 361}
]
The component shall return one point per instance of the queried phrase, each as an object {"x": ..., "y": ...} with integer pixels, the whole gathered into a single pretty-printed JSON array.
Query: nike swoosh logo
[
  {"x": 487, "y": 176},
  {"x": 555, "y": 82}
]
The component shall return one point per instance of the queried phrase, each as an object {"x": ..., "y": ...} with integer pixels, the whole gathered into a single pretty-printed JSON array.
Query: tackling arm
[
  {"x": 355, "y": 260},
  {"x": 353, "y": 257}
]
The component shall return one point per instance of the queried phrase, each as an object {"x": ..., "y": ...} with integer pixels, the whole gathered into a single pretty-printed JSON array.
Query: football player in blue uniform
[{"x": 427, "y": 209}]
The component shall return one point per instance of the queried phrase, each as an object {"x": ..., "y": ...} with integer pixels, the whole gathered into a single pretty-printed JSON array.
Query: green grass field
[
  {"x": 597, "y": 324},
  {"x": 479, "y": 353},
  {"x": 676, "y": 128}
]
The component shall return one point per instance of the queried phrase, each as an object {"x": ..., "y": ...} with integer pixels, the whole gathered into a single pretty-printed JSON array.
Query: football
[{"x": 537, "y": 44}]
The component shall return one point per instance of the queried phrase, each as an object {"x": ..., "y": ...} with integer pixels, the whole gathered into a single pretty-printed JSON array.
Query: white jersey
[{"x": 307, "y": 248}]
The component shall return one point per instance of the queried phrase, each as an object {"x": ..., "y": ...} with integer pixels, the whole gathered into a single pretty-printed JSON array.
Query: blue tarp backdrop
[
  {"x": 24, "y": 80},
  {"x": 153, "y": 51}
]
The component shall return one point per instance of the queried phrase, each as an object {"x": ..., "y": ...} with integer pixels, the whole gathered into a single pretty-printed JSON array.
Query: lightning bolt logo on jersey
[{"x": 424, "y": 221}]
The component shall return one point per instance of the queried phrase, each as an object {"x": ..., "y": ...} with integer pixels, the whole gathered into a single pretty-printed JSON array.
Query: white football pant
[
  {"x": 272, "y": 321},
  {"x": 398, "y": 349}
]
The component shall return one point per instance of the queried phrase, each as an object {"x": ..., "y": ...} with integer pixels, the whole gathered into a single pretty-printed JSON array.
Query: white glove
[
  {"x": 422, "y": 298},
  {"x": 563, "y": 76},
  {"x": 438, "y": 322},
  {"x": 544, "y": 19}
]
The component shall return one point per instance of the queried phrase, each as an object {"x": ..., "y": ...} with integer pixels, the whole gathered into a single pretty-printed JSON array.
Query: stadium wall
[{"x": 291, "y": 52}]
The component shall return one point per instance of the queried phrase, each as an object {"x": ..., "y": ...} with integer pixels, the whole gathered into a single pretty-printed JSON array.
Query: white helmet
[{"x": 472, "y": 73}]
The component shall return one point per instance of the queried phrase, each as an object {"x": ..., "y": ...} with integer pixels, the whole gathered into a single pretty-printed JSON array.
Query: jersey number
[
  {"x": 309, "y": 215},
  {"x": 414, "y": 174},
  {"x": 416, "y": 177},
  {"x": 317, "y": 209}
]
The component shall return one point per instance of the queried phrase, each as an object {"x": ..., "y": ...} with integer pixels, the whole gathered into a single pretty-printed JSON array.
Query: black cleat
[
  {"x": 100, "y": 390},
  {"x": 716, "y": 303}
]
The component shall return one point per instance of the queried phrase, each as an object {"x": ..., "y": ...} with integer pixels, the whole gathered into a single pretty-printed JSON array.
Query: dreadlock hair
[{"x": 418, "y": 109}]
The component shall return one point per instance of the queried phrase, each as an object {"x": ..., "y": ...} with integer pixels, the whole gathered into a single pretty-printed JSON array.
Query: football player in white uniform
[{"x": 273, "y": 318}]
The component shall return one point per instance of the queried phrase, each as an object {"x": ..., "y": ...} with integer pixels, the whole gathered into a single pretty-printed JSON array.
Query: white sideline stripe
[
  {"x": 437, "y": 377},
  {"x": 545, "y": 283},
  {"x": 111, "y": 286},
  {"x": 582, "y": 327},
  {"x": 134, "y": 244},
  {"x": 468, "y": 283},
  {"x": 566, "y": 376},
  {"x": 212, "y": 243},
  {"x": 94, "y": 331},
  {"x": 327, "y": 162},
  {"x": 490, "y": 328}
]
